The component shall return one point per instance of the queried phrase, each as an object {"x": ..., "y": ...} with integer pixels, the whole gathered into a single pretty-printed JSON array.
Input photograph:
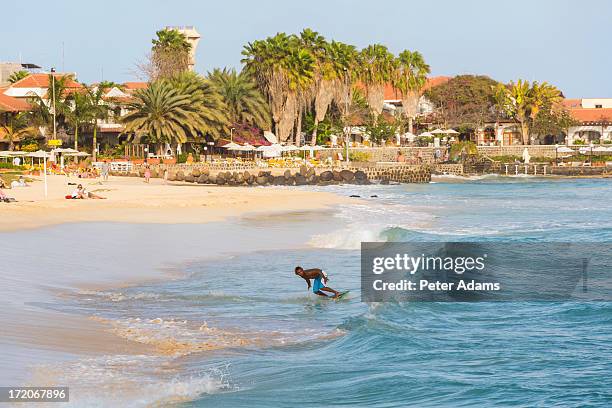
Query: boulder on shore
[
  {"x": 202, "y": 179},
  {"x": 180, "y": 175},
  {"x": 189, "y": 178},
  {"x": 347, "y": 176},
  {"x": 326, "y": 176},
  {"x": 196, "y": 173}
]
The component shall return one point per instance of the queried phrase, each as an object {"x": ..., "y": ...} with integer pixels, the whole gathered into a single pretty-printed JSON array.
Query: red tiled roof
[
  {"x": 394, "y": 94},
  {"x": 10, "y": 104},
  {"x": 135, "y": 85},
  {"x": 592, "y": 114},
  {"x": 435, "y": 81},
  {"x": 572, "y": 103},
  {"x": 42, "y": 81}
]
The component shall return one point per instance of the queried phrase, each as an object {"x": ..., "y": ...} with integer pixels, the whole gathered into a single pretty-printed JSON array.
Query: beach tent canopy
[
  {"x": 16, "y": 153},
  {"x": 5, "y": 154},
  {"x": 409, "y": 136},
  {"x": 39, "y": 154},
  {"x": 230, "y": 145},
  {"x": 78, "y": 154},
  {"x": 565, "y": 149}
]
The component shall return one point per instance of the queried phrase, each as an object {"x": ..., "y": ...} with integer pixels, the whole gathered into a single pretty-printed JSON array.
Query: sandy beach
[{"x": 132, "y": 200}]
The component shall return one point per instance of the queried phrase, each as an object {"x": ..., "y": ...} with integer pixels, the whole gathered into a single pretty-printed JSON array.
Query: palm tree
[
  {"x": 345, "y": 66},
  {"x": 98, "y": 110},
  {"x": 79, "y": 114},
  {"x": 207, "y": 103},
  {"x": 17, "y": 75},
  {"x": 522, "y": 101},
  {"x": 245, "y": 104},
  {"x": 43, "y": 106},
  {"x": 18, "y": 127},
  {"x": 411, "y": 79},
  {"x": 299, "y": 68},
  {"x": 170, "y": 53},
  {"x": 169, "y": 111},
  {"x": 378, "y": 69},
  {"x": 264, "y": 60}
]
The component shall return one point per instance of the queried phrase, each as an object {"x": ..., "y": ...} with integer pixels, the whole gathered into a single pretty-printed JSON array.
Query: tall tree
[
  {"x": 345, "y": 65},
  {"x": 17, "y": 128},
  {"x": 378, "y": 70},
  {"x": 522, "y": 101},
  {"x": 54, "y": 99},
  {"x": 80, "y": 113},
  {"x": 411, "y": 79},
  {"x": 265, "y": 61},
  {"x": 465, "y": 101},
  {"x": 245, "y": 104},
  {"x": 169, "y": 54},
  {"x": 98, "y": 109},
  {"x": 299, "y": 68},
  {"x": 324, "y": 77}
]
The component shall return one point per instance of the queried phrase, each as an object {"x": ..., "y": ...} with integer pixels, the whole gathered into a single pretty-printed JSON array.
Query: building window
[{"x": 598, "y": 106}]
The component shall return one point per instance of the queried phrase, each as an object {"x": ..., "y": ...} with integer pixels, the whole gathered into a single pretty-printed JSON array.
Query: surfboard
[{"x": 342, "y": 294}]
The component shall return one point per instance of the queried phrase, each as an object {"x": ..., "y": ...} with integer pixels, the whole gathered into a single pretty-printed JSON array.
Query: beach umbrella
[
  {"x": 610, "y": 149},
  {"x": 601, "y": 149},
  {"x": 426, "y": 134},
  {"x": 451, "y": 132},
  {"x": 64, "y": 150},
  {"x": 289, "y": 148},
  {"x": 437, "y": 132},
  {"x": 565, "y": 149}
]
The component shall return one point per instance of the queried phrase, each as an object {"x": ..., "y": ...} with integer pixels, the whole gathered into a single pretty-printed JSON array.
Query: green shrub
[
  {"x": 10, "y": 166},
  {"x": 456, "y": 148},
  {"x": 359, "y": 156},
  {"x": 579, "y": 142},
  {"x": 181, "y": 158}
]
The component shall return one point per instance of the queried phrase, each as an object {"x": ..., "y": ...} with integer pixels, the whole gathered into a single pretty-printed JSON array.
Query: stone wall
[
  {"x": 534, "y": 151},
  {"x": 444, "y": 168},
  {"x": 398, "y": 173},
  {"x": 385, "y": 154}
]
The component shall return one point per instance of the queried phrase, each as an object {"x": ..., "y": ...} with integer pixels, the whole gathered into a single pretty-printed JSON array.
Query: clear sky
[{"x": 564, "y": 42}]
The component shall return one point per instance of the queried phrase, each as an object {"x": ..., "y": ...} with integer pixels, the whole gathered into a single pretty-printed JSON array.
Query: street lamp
[
  {"x": 53, "y": 98},
  {"x": 346, "y": 109}
]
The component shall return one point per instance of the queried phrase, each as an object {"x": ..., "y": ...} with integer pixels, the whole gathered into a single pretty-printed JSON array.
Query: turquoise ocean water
[{"x": 252, "y": 335}]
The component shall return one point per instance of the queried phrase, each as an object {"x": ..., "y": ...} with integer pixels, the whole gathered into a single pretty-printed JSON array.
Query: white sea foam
[{"x": 131, "y": 381}]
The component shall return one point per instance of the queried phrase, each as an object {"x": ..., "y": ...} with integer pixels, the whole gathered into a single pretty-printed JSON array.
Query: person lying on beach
[
  {"x": 19, "y": 183},
  {"x": 81, "y": 193},
  {"x": 319, "y": 280}
]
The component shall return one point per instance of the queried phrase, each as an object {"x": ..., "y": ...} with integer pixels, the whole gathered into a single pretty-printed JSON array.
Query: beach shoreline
[{"x": 130, "y": 200}]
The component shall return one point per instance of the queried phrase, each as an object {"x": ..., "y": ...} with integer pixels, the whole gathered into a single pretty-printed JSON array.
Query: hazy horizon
[{"x": 562, "y": 42}]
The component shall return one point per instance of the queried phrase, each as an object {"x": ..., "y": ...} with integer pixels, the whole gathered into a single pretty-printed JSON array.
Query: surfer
[{"x": 320, "y": 280}]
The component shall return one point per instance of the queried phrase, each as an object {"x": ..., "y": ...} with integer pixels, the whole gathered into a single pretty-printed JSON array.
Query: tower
[{"x": 193, "y": 37}]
